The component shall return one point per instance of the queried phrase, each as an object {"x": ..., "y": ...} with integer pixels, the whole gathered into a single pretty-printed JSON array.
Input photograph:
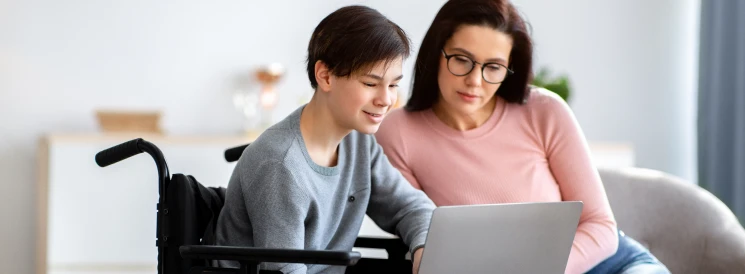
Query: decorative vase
[{"x": 257, "y": 101}]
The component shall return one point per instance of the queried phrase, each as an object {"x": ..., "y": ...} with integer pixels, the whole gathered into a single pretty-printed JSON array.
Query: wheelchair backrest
[{"x": 189, "y": 218}]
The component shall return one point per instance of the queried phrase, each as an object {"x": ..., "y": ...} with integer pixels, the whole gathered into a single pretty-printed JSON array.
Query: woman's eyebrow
[{"x": 491, "y": 60}]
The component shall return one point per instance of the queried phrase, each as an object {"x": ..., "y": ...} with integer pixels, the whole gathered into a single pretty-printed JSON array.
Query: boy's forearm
[{"x": 404, "y": 211}]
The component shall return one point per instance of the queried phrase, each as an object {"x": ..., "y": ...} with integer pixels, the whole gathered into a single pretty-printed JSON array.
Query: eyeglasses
[{"x": 461, "y": 65}]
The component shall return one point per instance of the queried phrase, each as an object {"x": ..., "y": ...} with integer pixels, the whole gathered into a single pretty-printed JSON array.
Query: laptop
[{"x": 513, "y": 238}]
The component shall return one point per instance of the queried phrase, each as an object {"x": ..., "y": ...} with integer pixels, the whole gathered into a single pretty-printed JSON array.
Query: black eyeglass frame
[{"x": 448, "y": 57}]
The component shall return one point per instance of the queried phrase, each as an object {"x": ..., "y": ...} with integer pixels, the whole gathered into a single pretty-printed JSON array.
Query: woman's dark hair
[
  {"x": 354, "y": 38},
  {"x": 498, "y": 14}
]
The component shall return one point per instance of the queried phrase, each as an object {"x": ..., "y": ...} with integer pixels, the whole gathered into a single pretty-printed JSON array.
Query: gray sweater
[{"x": 278, "y": 197}]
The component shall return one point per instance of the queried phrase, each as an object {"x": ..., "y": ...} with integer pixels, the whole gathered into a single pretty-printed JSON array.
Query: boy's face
[{"x": 361, "y": 101}]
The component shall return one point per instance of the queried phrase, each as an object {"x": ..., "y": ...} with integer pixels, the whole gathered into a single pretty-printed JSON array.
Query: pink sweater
[{"x": 523, "y": 153}]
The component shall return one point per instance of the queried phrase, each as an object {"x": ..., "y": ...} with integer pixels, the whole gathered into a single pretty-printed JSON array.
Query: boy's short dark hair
[{"x": 354, "y": 38}]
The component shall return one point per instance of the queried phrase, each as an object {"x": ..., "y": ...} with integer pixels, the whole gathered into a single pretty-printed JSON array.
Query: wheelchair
[{"x": 187, "y": 213}]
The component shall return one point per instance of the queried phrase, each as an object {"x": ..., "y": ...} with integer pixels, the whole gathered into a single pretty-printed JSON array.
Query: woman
[{"x": 474, "y": 132}]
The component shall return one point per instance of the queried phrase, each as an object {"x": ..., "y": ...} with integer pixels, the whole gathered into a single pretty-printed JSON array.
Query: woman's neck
[
  {"x": 463, "y": 121},
  {"x": 321, "y": 133}
]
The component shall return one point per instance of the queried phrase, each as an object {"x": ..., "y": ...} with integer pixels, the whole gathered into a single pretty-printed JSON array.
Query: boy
[{"x": 308, "y": 181}]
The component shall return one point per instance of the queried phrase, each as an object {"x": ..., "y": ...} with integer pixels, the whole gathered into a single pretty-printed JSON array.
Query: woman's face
[{"x": 488, "y": 50}]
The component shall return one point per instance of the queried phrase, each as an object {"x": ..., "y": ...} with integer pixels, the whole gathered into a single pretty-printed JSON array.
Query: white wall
[{"x": 61, "y": 60}]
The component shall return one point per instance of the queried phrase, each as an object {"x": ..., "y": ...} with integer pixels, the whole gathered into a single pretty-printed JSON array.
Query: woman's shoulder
[
  {"x": 541, "y": 102},
  {"x": 399, "y": 119},
  {"x": 541, "y": 97},
  {"x": 398, "y": 125},
  {"x": 547, "y": 112},
  {"x": 400, "y": 115}
]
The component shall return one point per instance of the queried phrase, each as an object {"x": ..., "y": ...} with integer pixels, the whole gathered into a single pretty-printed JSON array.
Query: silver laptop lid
[{"x": 530, "y": 238}]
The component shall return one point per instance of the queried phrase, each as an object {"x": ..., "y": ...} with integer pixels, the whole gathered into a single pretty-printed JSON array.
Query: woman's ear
[{"x": 323, "y": 76}]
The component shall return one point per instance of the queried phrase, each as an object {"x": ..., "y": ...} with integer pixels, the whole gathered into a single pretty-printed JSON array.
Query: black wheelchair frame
[{"x": 187, "y": 212}]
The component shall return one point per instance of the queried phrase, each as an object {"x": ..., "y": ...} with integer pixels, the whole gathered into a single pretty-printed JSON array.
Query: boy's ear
[{"x": 323, "y": 76}]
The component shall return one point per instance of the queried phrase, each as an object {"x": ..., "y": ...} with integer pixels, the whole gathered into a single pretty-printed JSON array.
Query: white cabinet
[{"x": 102, "y": 220}]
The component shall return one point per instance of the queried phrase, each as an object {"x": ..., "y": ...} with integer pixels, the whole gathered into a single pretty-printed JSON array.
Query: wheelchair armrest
[
  {"x": 395, "y": 247},
  {"x": 260, "y": 255}
]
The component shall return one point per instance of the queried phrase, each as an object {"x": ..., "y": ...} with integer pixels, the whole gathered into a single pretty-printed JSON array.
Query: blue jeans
[{"x": 631, "y": 258}]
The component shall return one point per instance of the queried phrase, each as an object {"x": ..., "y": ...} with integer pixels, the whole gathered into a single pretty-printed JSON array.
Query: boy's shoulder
[{"x": 274, "y": 143}]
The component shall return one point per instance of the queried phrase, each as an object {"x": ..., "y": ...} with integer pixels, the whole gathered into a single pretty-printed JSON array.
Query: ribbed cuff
[
  {"x": 414, "y": 248},
  {"x": 418, "y": 243}
]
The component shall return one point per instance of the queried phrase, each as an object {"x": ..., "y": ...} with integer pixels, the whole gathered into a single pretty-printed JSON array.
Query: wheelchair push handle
[
  {"x": 131, "y": 148},
  {"x": 119, "y": 152}
]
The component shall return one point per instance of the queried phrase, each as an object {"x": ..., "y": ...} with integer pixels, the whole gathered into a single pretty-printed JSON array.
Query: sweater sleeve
[
  {"x": 277, "y": 207},
  {"x": 569, "y": 158}
]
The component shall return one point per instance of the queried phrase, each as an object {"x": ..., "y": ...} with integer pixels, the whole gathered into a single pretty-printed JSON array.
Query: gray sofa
[{"x": 685, "y": 226}]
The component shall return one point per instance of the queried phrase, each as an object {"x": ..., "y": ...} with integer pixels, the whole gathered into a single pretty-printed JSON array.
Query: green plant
[{"x": 558, "y": 84}]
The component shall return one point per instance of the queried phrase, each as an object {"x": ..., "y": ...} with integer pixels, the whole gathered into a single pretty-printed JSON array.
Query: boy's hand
[{"x": 417, "y": 258}]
